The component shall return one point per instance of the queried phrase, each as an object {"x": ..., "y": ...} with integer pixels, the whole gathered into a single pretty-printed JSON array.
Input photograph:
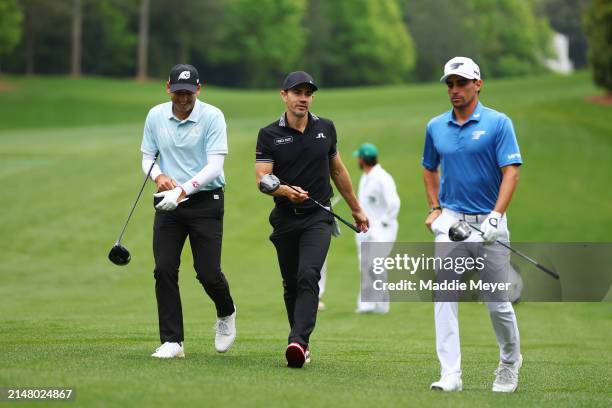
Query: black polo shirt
[{"x": 300, "y": 159}]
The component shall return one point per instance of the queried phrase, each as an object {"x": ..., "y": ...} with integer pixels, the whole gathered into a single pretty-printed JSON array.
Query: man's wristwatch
[{"x": 432, "y": 209}]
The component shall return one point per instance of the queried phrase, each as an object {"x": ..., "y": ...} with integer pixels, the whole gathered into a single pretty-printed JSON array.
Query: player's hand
[
  {"x": 298, "y": 196},
  {"x": 489, "y": 227},
  {"x": 165, "y": 183},
  {"x": 171, "y": 199},
  {"x": 431, "y": 218},
  {"x": 361, "y": 220}
]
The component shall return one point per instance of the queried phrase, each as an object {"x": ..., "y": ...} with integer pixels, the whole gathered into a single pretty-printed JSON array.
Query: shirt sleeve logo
[
  {"x": 283, "y": 140},
  {"x": 514, "y": 156}
]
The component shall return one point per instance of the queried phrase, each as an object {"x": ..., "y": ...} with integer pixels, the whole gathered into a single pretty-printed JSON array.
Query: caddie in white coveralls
[{"x": 378, "y": 198}]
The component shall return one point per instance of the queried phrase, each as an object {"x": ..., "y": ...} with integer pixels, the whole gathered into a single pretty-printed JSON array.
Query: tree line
[{"x": 253, "y": 43}]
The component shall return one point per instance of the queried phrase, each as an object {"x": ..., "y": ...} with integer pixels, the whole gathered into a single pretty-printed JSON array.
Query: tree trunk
[
  {"x": 143, "y": 40},
  {"x": 77, "y": 22},
  {"x": 28, "y": 28}
]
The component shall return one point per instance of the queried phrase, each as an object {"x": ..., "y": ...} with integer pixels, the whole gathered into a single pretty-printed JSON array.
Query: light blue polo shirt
[
  {"x": 471, "y": 157},
  {"x": 184, "y": 144}
]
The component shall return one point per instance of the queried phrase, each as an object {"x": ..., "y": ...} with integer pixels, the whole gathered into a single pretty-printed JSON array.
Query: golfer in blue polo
[{"x": 471, "y": 165}]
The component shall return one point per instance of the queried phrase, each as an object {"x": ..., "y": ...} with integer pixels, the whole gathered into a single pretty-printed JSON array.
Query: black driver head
[
  {"x": 459, "y": 231},
  {"x": 119, "y": 255}
]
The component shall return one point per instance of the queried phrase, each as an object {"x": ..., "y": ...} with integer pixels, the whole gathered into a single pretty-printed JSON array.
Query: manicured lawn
[{"x": 70, "y": 168}]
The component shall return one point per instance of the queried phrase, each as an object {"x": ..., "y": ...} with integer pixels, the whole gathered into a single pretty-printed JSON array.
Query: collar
[
  {"x": 375, "y": 169},
  {"x": 193, "y": 116},
  {"x": 476, "y": 115},
  {"x": 282, "y": 122}
]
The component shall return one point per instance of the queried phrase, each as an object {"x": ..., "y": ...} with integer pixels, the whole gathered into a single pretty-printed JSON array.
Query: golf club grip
[
  {"x": 548, "y": 271},
  {"x": 345, "y": 222}
]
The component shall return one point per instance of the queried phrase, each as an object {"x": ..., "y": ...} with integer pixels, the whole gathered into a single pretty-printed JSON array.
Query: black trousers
[
  {"x": 301, "y": 242},
  {"x": 201, "y": 219}
]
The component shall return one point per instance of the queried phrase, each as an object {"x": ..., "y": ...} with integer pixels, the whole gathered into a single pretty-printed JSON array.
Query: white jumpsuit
[{"x": 379, "y": 199}]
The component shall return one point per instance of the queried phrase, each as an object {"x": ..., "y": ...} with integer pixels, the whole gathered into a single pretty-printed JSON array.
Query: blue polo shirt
[
  {"x": 184, "y": 144},
  {"x": 471, "y": 157}
]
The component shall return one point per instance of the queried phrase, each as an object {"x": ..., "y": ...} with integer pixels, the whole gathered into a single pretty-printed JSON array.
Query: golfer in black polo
[{"x": 300, "y": 149}]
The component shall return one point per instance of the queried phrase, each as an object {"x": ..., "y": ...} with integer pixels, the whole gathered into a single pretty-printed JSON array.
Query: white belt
[{"x": 472, "y": 218}]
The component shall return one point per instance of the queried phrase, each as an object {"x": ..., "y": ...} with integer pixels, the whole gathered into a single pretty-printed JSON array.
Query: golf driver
[
  {"x": 460, "y": 231},
  {"x": 270, "y": 183},
  {"x": 119, "y": 255}
]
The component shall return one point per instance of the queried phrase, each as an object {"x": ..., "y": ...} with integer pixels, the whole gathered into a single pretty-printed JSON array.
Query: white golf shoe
[
  {"x": 169, "y": 350},
  {"x": 225, "y": 329},
  {"x": 448, "y": 382},
  {"x": 381, "y": 308},
  {"x": 506, "y": 376}
]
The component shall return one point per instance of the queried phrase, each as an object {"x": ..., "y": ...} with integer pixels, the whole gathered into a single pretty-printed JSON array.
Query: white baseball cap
[{"x": 462, "y": 66}]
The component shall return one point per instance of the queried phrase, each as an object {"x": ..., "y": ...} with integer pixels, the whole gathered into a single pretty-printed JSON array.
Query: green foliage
[
  {"x": 254, "y": 43},
  {"x": 438, "y": 35},
  {"x": 11, "y": 17},
  {"x": 262, "y": 39},
  {"x": 504, "y": 37},
  {"x": 45, "y": 42},
  {"x": 109, "y": 41},
  {"x": 368, "y": 43},
  {"x": 183, "y": 33},
  {"x": 510, "y": 39},
  {"x": 598, "y": 27}
]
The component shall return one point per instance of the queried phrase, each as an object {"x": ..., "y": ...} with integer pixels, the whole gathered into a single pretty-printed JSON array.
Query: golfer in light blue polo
[
  {"x": 471, "y": 164},
  {"x": 191, "y": 139}
]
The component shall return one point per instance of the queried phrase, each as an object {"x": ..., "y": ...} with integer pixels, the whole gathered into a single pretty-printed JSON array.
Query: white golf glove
[
  {"x": 170, "y": 197},
  {"x": 489, "y": 227}
]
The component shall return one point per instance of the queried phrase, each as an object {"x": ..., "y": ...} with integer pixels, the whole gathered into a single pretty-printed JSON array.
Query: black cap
[
  {"x": 298, "y": 78},
  {"x": 184, "y": 77}
]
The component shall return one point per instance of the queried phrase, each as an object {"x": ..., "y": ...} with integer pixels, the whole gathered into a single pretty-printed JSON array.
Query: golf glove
[
  {"x": 489, "y": 227},
  {"x": 170, "y": 197}
]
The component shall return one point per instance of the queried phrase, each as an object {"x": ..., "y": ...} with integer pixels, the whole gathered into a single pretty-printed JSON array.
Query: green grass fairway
[{"x": 70, "y": 169}]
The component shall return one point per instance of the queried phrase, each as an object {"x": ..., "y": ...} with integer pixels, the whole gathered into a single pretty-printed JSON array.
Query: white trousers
[
  {"x": 446, "y": 314},
  {"x": 368, "y": 300}
]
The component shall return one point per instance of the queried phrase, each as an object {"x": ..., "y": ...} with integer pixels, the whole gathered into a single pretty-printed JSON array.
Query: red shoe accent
[{"x": 295, "y": 355}]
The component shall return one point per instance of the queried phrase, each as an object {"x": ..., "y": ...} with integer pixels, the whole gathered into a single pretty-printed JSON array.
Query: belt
[
  {"x": 202, "y": 194},
  {"x": 302, "y": 211},
  {"x": 473, "y": 218}
]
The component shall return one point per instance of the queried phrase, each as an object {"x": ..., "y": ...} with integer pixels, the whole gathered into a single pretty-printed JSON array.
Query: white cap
[{"x": 462, "y": 66}]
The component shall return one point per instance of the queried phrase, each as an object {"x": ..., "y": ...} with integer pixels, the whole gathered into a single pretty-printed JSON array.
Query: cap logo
[
  {"x": 184, "y": 75},
  {"x": 456, "y": 65}
]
